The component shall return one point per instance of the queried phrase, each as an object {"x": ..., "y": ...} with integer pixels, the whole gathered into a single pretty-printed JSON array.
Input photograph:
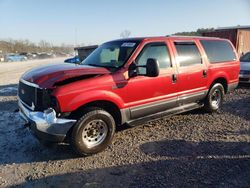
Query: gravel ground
[{"x": 194, "y": 149}]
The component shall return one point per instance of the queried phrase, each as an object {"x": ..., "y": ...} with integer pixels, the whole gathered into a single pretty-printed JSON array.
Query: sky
[{"x": 96, "y": 21}]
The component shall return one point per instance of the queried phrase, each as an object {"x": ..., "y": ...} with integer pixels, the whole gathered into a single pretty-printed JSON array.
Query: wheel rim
[
  {"x": 94, "y": 133},
  {"x": 216, "y": 98}
]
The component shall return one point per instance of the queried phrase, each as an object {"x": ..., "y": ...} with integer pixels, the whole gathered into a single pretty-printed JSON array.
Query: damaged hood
[{"x": 49, "y": 75}]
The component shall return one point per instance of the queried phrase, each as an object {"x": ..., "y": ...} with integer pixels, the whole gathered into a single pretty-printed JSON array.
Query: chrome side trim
[
  {"x": 29, "y": 83},
  {"x": 162, "y": 105},
  {"x": 166, "y": 113},
  {"x": 151, "y": 108}
]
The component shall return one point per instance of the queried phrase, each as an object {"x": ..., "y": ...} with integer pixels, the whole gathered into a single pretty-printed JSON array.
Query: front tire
[
  {"x": 215, "y": 98},
  {"x": 93, "y": 132}
]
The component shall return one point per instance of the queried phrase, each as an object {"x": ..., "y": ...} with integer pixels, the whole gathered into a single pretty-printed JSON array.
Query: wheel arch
[
  {"x": 222, "y": 80},
  {"x": 108, "y": 106}
]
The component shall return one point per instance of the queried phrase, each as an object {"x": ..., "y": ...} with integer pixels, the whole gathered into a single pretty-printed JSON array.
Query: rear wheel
[
  {"x": 93, "y": 132},
  {"x": 214, "y": 98}
]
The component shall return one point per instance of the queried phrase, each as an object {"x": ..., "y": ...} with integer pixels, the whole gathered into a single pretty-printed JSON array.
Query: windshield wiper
[{"x": 105, "y": 66}]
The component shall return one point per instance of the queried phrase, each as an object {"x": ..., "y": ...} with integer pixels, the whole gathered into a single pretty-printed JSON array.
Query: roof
[
  {"x": 139, "y": 39},
  {"x": 86, "y": 47},
  {"x": 234, "y": 27}
]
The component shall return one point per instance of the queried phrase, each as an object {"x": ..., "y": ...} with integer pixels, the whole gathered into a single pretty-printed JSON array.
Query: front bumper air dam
[{"x": 45, "y": 125}]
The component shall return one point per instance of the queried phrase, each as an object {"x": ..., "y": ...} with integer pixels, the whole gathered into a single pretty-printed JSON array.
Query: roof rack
[{"x": 184, "y": 36}]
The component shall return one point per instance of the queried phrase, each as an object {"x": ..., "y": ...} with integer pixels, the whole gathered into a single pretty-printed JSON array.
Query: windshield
[
  {"x": 111, "y": 54},
  {"x": 245, "y": 58}
]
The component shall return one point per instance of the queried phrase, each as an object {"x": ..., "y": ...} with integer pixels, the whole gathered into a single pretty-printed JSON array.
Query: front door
[{"x": 147, "y": 95}]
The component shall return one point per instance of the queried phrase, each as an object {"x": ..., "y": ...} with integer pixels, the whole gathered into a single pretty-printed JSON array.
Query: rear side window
[
  {"x": 188, "y": 54},
  {"x": 218, "y": 51}
]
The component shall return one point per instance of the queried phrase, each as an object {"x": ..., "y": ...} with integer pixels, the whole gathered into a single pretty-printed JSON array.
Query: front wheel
[
  {"x": 93, "y": 132},
  {"x": 214, "y": 98}
]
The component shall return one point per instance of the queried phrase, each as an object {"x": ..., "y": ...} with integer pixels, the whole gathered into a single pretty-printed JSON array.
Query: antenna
[{"x": 75, "y": 36}]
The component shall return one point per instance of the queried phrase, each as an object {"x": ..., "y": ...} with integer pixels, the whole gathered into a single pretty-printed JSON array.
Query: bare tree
[
  {"x": 125, "y": 34},
  {"x": 19, "y": 46}
]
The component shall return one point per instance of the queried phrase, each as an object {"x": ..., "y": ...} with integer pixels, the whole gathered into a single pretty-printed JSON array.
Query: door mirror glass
[{"x": 152, "y": 68}]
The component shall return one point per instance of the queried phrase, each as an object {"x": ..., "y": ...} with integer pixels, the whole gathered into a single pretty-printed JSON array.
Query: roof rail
[{"x": 184, "y": 36}]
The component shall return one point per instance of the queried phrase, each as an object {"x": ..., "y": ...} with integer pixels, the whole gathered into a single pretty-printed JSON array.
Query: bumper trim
[{"x": 45, "y": 125}]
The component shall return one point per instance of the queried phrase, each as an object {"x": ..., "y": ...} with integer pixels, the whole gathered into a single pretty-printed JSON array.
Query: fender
[
  {"x": 87, "y": 97},
  {"x": 216, "y": 75}
]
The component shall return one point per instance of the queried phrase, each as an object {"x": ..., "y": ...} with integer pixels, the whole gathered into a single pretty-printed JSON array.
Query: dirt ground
[{"x": 194, "y": 149}]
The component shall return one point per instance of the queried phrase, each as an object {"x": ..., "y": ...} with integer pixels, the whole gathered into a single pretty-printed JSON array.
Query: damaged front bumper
[{"x": 45, "y": 125}]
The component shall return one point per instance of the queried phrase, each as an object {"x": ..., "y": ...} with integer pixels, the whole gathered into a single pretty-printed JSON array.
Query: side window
[
  {"x": 188, "y": 54},
  {"x": 218, "y": 50},
  {"x": 156, "y": 51}
]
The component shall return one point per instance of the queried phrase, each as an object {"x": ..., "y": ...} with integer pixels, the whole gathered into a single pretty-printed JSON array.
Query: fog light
[{"x": 50, "y": 115}]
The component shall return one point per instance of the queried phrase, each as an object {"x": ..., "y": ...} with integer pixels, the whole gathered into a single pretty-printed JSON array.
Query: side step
[{"x": 170, "y": 112}]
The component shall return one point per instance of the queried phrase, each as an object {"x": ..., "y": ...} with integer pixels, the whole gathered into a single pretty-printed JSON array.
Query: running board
[{"x": 170, "y": 112}]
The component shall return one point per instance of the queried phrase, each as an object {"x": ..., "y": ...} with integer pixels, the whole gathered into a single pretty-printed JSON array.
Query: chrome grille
[
  {"x": 27, "y": 94},
  {"x": 245, "y": 72}
]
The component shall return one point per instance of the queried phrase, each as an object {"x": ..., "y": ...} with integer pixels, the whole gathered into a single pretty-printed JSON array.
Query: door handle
[
  {"x": 204, "y": 74},
  {"x": 174, "y": 78}
]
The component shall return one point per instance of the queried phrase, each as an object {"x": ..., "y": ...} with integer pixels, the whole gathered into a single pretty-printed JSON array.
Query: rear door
[{"x": 192, "y": 71}]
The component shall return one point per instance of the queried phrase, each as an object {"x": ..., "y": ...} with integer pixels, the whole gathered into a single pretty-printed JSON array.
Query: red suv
[{"x": 126, "y": 81}]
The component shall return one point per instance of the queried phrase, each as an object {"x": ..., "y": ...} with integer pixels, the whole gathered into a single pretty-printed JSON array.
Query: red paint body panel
[
  {"x": 128, "y": 92},
  {"x": 46, "y": 76}
]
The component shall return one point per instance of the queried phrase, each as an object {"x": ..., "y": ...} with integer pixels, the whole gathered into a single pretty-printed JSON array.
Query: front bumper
[
  {"x": 244, "y": 78},
  {"x": 45, "y": 125}
]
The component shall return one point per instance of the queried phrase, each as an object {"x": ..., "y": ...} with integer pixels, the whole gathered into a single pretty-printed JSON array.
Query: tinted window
[
  {"x": 218, "y": 51},
  {"x": 245, "y": 58},
  {"x": 156, "y": 51},
  {"x": 111, "y": 54},
  {"x": 188, "y": 53}
]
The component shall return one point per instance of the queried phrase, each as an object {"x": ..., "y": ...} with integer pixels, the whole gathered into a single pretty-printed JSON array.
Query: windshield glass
[
  {"x": 111, "y": 54},
  {"x": 245, "y": 58}
]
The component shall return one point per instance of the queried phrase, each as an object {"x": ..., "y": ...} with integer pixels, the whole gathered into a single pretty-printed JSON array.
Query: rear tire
[
  {"x": 215, "y": 98},
  {"x": 93, "y": 132}
]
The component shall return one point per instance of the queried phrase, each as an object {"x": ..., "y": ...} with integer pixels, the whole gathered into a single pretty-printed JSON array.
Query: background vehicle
[
  {"x": 1, "y": 58},
  {"x": 44, "y": 55},
  {"x": 75, "y": 59},
  {"x": 126, "y": 81},
  {"x": 15, "y": 57},
  {"x": 245, "y": 68}
]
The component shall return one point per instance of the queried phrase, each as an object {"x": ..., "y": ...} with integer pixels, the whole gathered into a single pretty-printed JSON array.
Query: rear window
[{"x": 218, "y": 51}]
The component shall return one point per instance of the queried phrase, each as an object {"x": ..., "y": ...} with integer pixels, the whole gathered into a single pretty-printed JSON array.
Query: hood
[
  {"x": 244, "y": 65},
  {"x": 49, "y": 75}
]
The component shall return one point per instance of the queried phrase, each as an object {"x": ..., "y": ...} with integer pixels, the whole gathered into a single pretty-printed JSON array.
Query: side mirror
[{"x": 152, "y": 68}]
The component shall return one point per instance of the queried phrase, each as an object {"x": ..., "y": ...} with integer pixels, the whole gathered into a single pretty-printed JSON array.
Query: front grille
[
  {"x": 27, "y": 93},
  {"x": 244, "y": 79},
  {"x": 34, "y": 97},
  {"x": 245, "y": 72}
]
